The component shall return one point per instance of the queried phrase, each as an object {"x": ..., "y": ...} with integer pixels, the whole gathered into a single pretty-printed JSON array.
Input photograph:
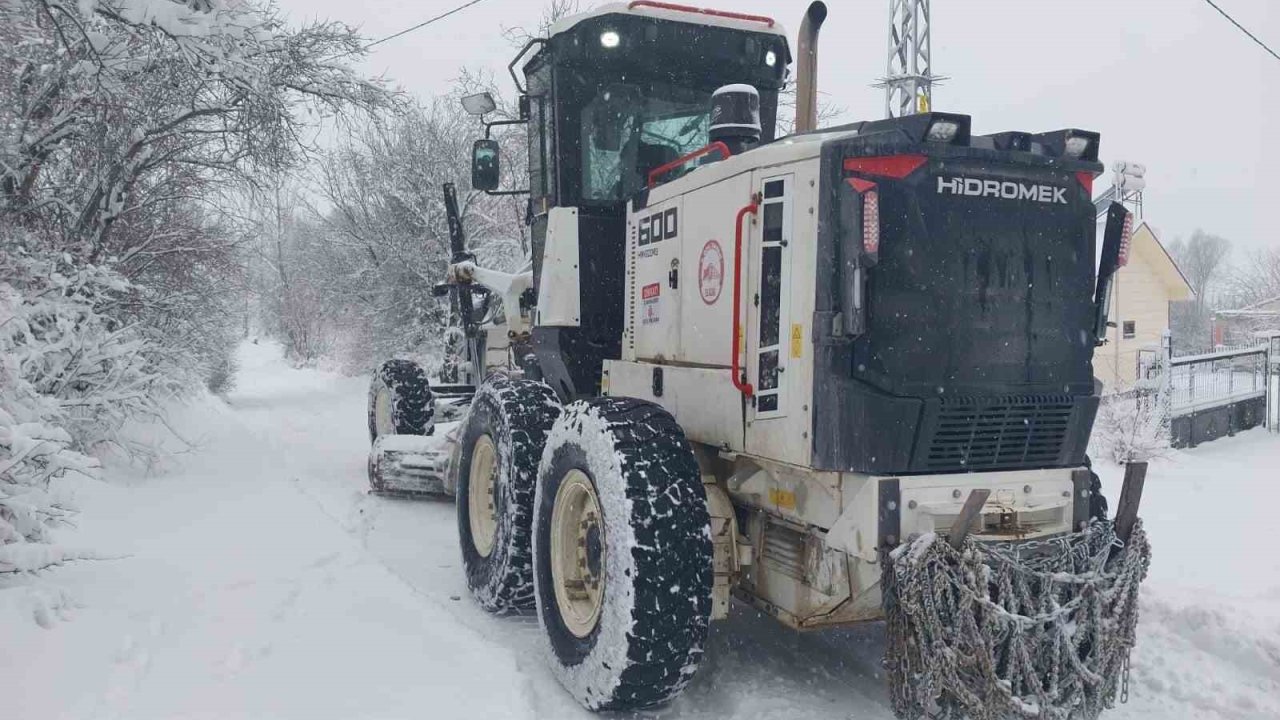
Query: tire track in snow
[{"x": 361, "y": 521}]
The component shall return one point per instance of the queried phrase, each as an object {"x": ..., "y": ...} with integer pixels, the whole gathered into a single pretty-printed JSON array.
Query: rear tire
[
  {"x": 400, "y": 400},
  {"x": 625, "y": 613},
  {"x": 496, "y": 469}
]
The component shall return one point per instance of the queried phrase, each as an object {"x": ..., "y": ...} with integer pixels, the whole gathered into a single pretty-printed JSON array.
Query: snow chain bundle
[{"x": 1038, "y": 629}]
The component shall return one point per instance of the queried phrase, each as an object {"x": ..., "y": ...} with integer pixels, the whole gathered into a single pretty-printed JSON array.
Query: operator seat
[{"x": 650, "y": 156}]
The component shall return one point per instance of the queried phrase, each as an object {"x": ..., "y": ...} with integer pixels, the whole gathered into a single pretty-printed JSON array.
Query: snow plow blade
[
  {"x": 995, "y": 631},
  {"x": 410, "y": 465}
]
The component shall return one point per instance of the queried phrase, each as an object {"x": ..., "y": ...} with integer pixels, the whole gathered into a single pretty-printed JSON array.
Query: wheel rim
[
  {"x": 480, "y": 491},
  {"x": 382, "y": 412},
  {"x": 578, "y": 553}
]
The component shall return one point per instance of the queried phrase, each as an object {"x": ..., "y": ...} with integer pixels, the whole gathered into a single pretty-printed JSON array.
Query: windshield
[{"x": 628, "y": 130}]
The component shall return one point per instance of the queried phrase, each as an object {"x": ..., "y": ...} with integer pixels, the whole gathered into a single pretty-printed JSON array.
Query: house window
[{"x": 1130, "y": 329}]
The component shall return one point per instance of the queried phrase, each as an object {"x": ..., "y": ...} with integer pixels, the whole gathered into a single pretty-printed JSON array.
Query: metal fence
[
  {"x": 1216, "y": 393},
  {"x": 1212, "y": 379}
]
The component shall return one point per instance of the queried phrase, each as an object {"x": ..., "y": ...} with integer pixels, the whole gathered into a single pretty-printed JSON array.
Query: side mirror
[
  {"x": 484, "y": 165},
  {"x": 480, "y": 104}
]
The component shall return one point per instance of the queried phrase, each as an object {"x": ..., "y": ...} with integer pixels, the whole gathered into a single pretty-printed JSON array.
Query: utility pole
[{"x": 909, "y": 77}]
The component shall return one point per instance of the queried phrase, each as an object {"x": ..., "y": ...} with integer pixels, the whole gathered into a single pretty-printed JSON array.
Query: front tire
[
  {"x": 496, "y": 470},
  {"x": 400, "y": 400},
  {"x": 622, "y": 554}
]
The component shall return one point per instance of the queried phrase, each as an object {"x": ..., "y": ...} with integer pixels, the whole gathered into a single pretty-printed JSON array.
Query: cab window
[{"x": 627, "y": 131}]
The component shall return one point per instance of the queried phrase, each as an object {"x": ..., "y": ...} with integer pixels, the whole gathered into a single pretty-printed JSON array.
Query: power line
[
  {"x": 1232, "y": 20},
  {"x": 422, "y": 24}
]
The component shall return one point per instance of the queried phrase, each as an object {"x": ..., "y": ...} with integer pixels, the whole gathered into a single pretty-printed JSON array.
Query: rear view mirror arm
[{"x": 489, "y": 125}]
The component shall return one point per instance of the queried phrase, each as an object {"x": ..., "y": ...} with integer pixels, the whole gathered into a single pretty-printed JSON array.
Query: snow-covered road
[{"x": 258, "y": 580}]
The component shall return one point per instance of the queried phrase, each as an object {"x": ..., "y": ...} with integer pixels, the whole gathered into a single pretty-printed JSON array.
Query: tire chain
[{"x": 1037, "y": 629}]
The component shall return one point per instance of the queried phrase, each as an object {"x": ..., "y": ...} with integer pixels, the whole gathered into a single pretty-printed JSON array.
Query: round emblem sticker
[{"x": 711, "y": 272}]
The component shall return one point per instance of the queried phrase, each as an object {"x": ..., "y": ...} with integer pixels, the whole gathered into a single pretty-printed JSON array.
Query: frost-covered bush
[
  {"x": 31, "y": 456},
  {"x": 70, "y": 363},
  {"x": 1133, "y": 426},
  {"x": 50, "y": 375}
]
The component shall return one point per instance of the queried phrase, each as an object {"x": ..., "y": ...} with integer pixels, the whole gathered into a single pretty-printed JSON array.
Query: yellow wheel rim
[
  {"x": 578, "y": 553},
  {"x": 480, "y": 490},
  {"x": 382, "y": 413}
]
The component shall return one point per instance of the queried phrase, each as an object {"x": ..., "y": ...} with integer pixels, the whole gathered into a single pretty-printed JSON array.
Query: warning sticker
[
  {"x": 649, "y": 296},
  {"x": 797, "y": 339},
  {"x": 711, "y": 272}
]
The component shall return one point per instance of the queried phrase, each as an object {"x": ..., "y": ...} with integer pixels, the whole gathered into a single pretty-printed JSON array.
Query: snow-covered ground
[{"x": 257, "y": 579}]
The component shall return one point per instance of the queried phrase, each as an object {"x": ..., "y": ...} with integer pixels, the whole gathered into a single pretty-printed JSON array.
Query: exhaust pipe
[{"x": 807, "y": 68}]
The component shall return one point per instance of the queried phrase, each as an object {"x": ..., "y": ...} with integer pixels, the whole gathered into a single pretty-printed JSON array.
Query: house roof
[
  {"x": 1258, "y": 305},
  {"x": 1147, "y": 243},
  {"x": 1255, "y": 310}
]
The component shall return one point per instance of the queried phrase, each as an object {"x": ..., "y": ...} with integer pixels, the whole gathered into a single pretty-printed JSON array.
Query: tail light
[
  {"x": 871, "y": 222},
  {"x": 1126, "y": 238},
  {"x": 870, "y": 207}
]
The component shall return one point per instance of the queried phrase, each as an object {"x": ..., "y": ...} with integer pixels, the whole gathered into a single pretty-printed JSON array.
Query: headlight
[
  {"x": 609, "y": 39},
  {"x": 771, "y": 58}
]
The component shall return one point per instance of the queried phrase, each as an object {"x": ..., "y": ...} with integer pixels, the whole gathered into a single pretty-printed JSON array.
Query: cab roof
[{"x": 674, "y": 12}]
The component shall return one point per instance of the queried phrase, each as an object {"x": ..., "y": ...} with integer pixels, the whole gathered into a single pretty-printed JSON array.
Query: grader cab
[{"x": 843, "y": 375}]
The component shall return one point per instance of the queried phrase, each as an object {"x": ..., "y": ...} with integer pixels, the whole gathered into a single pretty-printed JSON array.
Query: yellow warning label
[
  {"x": 784, "y": 499},
  {"x": 797, "y": 339}
]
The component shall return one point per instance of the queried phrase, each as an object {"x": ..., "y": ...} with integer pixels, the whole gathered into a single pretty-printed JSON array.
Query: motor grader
[{"x": 842, "y": 376}]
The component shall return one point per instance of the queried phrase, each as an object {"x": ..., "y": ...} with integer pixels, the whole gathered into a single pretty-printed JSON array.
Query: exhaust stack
[{"x": 807, "y": 68}]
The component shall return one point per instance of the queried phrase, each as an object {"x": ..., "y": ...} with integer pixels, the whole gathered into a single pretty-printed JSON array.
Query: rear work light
[
  {"x": 1075, "y": 146},
  {"x": 1126, "y": 238}
]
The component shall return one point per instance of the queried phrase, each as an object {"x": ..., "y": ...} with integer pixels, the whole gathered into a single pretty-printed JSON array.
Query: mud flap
[{"x": 988, "y": 631}]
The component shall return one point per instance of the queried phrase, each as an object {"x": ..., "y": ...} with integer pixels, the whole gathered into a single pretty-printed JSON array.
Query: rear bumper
[
  {"x": 810, "y": 577},
  {"x": 882, "y": 512}
]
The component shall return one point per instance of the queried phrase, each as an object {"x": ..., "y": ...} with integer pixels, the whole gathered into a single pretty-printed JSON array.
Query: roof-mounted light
[
  {"x": 942, "y": 131},
  {"x": 1077, "y": 145},
  {"x": 1072, "y": 143}
]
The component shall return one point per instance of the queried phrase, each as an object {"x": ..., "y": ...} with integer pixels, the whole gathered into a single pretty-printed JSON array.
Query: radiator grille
[
  {"x": 784, "y": 550},
  {"x": 999, "y": 433}
]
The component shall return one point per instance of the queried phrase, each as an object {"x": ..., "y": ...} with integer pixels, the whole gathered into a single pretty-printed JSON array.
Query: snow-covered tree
[{"x": 382, "y": 241}]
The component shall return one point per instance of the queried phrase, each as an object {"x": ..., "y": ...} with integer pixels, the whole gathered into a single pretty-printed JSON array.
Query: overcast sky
[{"x": 1168, "y": 83}]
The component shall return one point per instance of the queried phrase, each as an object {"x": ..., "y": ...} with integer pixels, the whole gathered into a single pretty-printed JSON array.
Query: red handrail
[
  {"x": 657, "y": 172},
  {"x": 703, "y": 11},
  {"x": 739, "y": 378}
]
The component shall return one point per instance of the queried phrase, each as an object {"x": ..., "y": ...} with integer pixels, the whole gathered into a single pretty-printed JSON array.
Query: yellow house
[{"x": 1140, "y": 298}]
